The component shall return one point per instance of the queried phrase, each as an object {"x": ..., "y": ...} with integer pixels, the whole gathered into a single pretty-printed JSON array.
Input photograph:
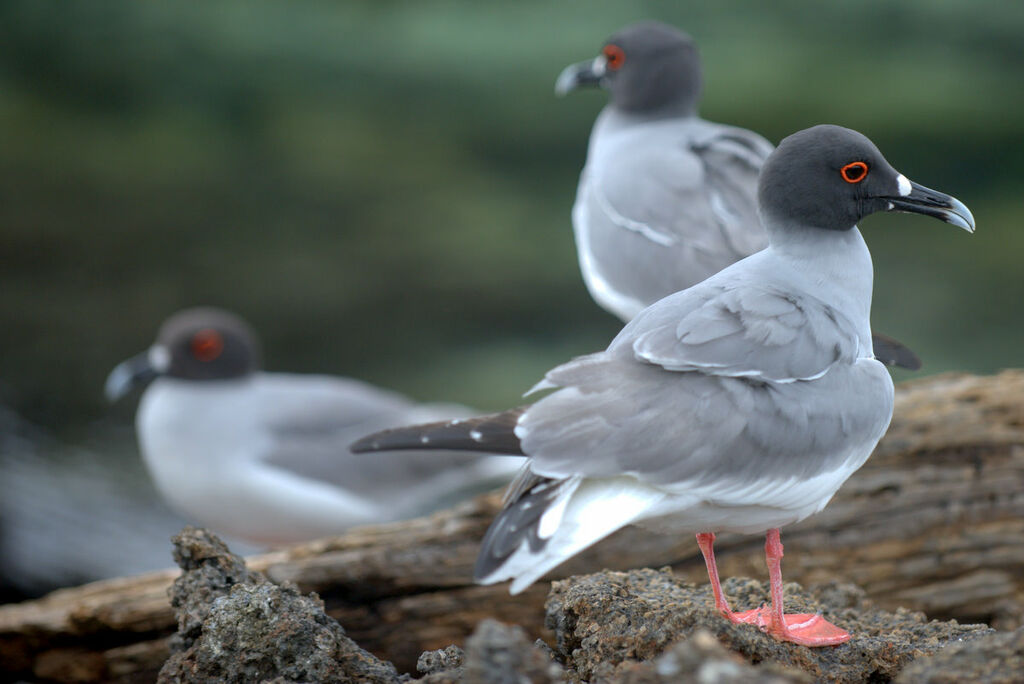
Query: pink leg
[
  {"x": 706, "y": 542},
  {"x": 803, "y": 628}
]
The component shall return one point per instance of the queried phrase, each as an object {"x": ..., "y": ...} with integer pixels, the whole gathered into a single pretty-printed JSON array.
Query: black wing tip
[
  {"x": 394, "y": 439},
  {"x": 894, "y": 353},
  {"x": 492, "y": 434},
  {"x": 909, "y": 362}
]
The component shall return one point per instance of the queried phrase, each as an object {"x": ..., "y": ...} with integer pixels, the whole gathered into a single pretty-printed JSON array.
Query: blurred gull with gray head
[
  {"x": 666, "y": 198},
  {"x": 264, "y": 456},
  {"x": 741, "y": 404}
]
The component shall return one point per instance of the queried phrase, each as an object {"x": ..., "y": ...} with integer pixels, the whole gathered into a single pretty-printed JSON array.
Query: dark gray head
[
  {"x": 195, "y": 344},
  {"x": 647, "y": 68},
  {"x": 831, "y": 177}
]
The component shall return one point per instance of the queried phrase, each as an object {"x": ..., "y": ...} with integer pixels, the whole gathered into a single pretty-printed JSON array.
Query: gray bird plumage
[
  {"x": 264, "y": 456},
  {"x": 666, "y": 198},
  {"x": 740, "y": 404}
]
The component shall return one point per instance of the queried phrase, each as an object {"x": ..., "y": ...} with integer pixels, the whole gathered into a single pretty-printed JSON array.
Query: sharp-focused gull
[
  {"x": 264, "y": 456},
  {"x": 666, "y": 198},
  {"x": 740, "y": 405}
]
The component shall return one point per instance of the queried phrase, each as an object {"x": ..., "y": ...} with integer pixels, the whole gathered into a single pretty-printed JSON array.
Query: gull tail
[
  {"x": 548, "y": 520},
  {"x": 494, "y": 434}
]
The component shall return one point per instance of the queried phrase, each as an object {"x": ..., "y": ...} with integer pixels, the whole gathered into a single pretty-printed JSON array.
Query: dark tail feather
[
  {"x": 894, "y": 353},
  {"x": 493, "y": 434},
  {"x": 527, "y": 500}
]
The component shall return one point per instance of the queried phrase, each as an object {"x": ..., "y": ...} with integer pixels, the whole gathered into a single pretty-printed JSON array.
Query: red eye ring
[
  {"x": 854, "y": 172},
  {"x": 614, "y": 56},
  {"x": 207, "y": 345}
]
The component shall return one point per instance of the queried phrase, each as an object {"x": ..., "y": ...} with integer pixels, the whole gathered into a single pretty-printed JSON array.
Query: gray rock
[
  {"x": 440, "y": 660},
  {"x": 497, "y": 653},
  {"x": 235, "y": 626},
  {"x": 701, "y": 659},
  {"x": 992, "y": 659},
  {"x": 603, "y": 620},
  {"x": 209, "y": 571}
]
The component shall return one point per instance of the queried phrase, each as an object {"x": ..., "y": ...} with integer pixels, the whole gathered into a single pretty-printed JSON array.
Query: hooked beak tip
[
  {"x": 916, "y": 198},
  {"x": 575, "y": 75},
  {"x": 135, "y": 371},
  {"x": 961, "y": 216}
]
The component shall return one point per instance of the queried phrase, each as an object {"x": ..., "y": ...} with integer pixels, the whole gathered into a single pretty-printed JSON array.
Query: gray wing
[
  {"x": 664, "y": 207},
  {"x": 757, "y": 330},
  {"x": 692, "y": 430},
  {"x": 312, "y": 427},
  {"x": 732, "y": 159},
  {"x": 700, "y": 390}
]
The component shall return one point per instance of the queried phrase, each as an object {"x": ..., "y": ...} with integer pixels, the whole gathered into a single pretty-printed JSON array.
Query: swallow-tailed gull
[
  {"x": 264, "y": 456},
  {"x": 665, "y": 198},
  {"x": 740, "y": 404}
]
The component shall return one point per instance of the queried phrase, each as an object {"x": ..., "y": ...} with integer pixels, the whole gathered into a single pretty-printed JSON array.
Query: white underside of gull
[
  {"x": 201, "y": 445},
  {"x": 266, "y": 457},
  {"x": 607, "y": 297},
  {"x": 592, "y": 509}
]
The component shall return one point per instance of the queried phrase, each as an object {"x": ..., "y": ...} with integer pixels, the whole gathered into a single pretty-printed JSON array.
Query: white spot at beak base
[
  {"x": 903, "y": 185},
  {"x": 159, "y": 358}
]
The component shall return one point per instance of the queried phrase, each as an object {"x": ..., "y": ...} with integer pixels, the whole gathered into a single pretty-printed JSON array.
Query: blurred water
[{"x": 70, "y": 515}]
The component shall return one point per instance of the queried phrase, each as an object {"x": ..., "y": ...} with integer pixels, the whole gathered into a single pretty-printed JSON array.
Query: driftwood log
[{"x": 934, "y": 521}]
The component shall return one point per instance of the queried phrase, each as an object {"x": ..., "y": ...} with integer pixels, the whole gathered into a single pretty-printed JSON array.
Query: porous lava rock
[
  {"x": 235, "y": 626},
  {"x": 603, "y": 620}
]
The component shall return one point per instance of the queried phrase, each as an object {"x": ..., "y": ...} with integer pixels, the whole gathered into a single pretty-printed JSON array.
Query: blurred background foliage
[{"x": 383, "y": 188}]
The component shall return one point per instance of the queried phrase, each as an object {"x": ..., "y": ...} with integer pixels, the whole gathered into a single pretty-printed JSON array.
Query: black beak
[
  {"x": 587, "y": 73},
  {"x": 130, "y": 374},
  {"x": 922, "y": 200}
]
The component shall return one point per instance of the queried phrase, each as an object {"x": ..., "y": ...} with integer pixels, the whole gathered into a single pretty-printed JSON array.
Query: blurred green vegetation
[{"x": 383, "y": 188}]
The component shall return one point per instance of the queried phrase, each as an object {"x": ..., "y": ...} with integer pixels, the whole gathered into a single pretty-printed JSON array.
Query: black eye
[
  {"x": 614, "y": 56},
  {"x": 207, "y": 345},
  {"x": 854, "y": 172}
]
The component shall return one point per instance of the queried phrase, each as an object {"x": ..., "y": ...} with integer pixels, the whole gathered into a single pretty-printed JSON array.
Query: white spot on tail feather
[{"x": 476, "y": 435}]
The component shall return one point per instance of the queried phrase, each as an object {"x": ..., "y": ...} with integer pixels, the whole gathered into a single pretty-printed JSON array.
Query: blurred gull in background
[
  {"x": 665, "y": 199},
  {"x": 264, "y": 456}
]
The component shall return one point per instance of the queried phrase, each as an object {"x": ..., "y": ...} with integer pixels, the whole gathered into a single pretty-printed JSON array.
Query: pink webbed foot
[
  {"x": 806, "y": 629},
  {"x": 803, "y": 628}
]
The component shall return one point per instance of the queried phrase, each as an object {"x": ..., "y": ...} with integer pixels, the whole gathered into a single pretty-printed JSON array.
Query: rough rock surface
[
  {"x": 442, "y": 660},
  {"x": 238, "y": 627},
  {"x": 209, "y": 571},
  {"x": 603, "y": 620},
  {"x": 502, "y": 654},
  {"x": 495, "y": 653},
  {"x": 701, "y": 659},
  {"x": 992, "y": 659},
  {"x": 639, "y": 627}
]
